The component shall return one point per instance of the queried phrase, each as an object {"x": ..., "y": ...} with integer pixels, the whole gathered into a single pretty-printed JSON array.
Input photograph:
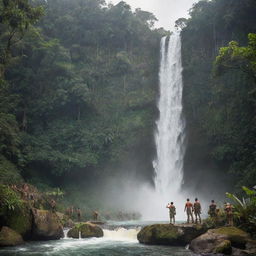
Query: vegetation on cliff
[
  {"x": 219, "y": 94},
  {"x": 78, "y": 90}
]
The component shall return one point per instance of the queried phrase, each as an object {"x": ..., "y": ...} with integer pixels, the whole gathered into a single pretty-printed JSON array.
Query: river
[{"x": 119, "y": 240}]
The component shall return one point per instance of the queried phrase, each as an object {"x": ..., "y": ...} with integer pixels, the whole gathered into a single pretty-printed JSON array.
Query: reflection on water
[{"x": 117, "y": 241}]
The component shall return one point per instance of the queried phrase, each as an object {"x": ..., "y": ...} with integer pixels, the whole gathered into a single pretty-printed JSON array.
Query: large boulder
[
  {"x": 221, "y": 240},
  {"x": 15, "y": 212},
  {"x": 86, "y": 230},
  {"x": 9, "y": 237},
  {"x": 168, "y": 234},
  {"x": 20, "y": 220},
  {"x": 46, "y": 225}
]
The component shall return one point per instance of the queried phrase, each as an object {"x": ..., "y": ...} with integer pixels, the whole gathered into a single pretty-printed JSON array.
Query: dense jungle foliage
[
  {"x": 78, "y": 90},
  {"x": 219, "y": 59}
]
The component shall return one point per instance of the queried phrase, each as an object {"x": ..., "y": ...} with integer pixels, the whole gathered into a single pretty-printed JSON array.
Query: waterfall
[{"x": 169, "y": 137}]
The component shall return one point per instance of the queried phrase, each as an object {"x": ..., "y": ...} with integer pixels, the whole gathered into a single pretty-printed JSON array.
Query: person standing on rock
[
  {"x": 229, "y": 214},
  {"x": 189, "y": 210},
  {"x": 95, "y": 216},
  {"x": 212, "y": 209},
  {"x": 197, "y": 210},
  {"x": 78, "y": 211},
  {"x": 53, "y": 205},
  {"x": 172, "y": 212}
]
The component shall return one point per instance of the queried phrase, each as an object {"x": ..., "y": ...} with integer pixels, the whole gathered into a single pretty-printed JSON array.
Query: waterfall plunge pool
[{"x": 119, "y": 240}]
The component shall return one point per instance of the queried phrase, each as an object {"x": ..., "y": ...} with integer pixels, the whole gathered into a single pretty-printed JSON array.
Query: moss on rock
[
  {"x": 236, "y": 236},
  {"x": 9, "y": 237},
  {"x": 15, "y": 212},
  {"x": 87, "y": 230},
  {"x": 90, "y": 230},
  {"x": 221, "y": 240},
  {"x": 168, "y": 234},
  {"x": 159, "y": 234},
  {"x": 224, "y": 247},
  {"x": 20, "y": 220},
  {"x": 73, "y": 233}
]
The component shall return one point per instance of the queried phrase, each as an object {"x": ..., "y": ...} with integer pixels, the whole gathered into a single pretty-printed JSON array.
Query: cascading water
[{"x": 169, "y": 135}]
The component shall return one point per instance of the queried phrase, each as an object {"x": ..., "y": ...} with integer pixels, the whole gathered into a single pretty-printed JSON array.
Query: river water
[{"x": 118, "y": 240}]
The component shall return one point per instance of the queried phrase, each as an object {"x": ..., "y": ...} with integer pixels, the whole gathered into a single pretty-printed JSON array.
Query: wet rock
[
  {"x": 220, "y": 240},
  {"x": 224, "y": 247},
  {"x": 20, "y": 220},
  {"x": 74, "y": 232},
  {"x": 90, "y": 230},
  {"x": 46, "y": 225},
  {"x": 87, "y": 230},
  {"x": 168, "y": 234},
  {"x": 9, "y": 237}
]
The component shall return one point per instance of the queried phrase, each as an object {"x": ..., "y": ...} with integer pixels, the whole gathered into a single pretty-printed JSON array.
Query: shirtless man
[
  {"x": 189, "y": 210},
  {"x": 197, "y": 210}
]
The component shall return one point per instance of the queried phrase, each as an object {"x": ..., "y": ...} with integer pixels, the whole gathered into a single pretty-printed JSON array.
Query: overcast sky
[{"x": 166, "y": 11}]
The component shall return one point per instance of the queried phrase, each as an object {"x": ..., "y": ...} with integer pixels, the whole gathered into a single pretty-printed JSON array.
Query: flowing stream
[{"x": 118, "y": 240}]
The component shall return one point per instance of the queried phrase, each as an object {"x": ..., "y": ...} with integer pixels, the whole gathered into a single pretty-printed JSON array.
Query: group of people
[
  {"x": 196, "y": 210},
  {"x": 71, "y": 212}
]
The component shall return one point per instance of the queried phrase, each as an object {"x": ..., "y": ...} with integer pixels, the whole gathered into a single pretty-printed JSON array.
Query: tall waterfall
[{"x": 169, "y": 136}]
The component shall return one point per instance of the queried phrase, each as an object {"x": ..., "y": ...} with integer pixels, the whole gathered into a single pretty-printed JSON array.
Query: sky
[{"x": 166, "y": 11}]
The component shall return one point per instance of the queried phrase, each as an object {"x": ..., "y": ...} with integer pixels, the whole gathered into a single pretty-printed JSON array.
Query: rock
[
  {"x": 237, "y": 237},
  {"x": 224, "y": 247},
  {"x": 20, "y": 220},
  {"x": 239, "y": 252},
  {"x": 251, "y": 247},
  {"x": 87, "y": 230},
  {"x": 90, "y": 230},
  {"x": 9, "y": 237},
  {"x": 168, "y": 234},
  {"x": 46, "y": 225},
  {"x": 220, "y": 240},
  {"x": 74, "y": 232}
]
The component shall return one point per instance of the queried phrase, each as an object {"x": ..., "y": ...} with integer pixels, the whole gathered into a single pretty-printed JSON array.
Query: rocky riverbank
[
  {"x": 201, "y": 239},
  {"x": 26, "y": 215}
]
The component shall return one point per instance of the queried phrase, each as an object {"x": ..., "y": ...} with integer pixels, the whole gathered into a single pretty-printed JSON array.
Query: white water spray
[
  {"x": 122, "y": 234},
  {"x": 169, "y": 136}
]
